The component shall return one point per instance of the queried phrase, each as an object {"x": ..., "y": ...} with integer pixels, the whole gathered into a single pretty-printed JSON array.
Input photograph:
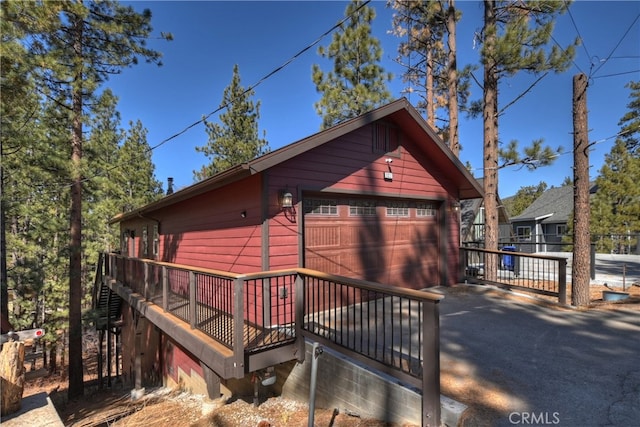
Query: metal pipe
[{"x": 316, "y": 352}]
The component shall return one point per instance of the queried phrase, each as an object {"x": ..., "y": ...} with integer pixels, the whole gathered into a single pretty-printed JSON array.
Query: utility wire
[
  {"x": 616, "y": 47},
  {"x": 226, "y": 105},
  {"x": 617, "y": 74},
  {"x": 268, "y": 75},
  {"x": 584, "y": 45},
  {"x": 564, "y": 153}
]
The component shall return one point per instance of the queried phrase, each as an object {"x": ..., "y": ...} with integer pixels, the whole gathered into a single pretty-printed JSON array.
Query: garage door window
[
  {"x": 321, "y": 207},
  {"x": 398, "y": 209},
  {"x": 425, "y": 209},
  {"x": 362, "y": 208}
]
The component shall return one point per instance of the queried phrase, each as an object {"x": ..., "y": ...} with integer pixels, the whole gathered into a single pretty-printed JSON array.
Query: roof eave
[
  {"x": 468, "y": 186},
  {"x": 216, "y": 181}
]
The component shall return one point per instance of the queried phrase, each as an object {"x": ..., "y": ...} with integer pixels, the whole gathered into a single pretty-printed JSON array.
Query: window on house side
[
  {"x": 145, "y": 241},
  {"x": 561, "y": 230},
  {"x": 523, "y": 233},
  {"x": 156, "y": 240},
  {"x": 125, "y": 242}
]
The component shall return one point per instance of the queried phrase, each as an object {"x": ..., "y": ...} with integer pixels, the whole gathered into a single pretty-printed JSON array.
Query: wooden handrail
[{"x": 364, "y": 284}]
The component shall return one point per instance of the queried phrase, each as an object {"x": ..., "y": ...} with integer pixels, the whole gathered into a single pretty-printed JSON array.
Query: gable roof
[
  {"x": 401, "y": 112},
  {"x": 553, "y": 206}
]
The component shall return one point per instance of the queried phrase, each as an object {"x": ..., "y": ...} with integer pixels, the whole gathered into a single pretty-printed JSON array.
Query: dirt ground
[{"x": 170, "y": 407}]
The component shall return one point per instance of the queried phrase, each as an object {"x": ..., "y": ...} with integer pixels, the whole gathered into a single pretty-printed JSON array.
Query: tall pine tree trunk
[
  {"x": 11, "y": 376},
  {"x": 490, "y": 139},
  {"x": 452, "y": 78},
  {"x": 4, "y": 285},
  {"x": 581, "y": 236},
  {"x": 76, "y": 385},
  {"x": 431, "y": 108}
]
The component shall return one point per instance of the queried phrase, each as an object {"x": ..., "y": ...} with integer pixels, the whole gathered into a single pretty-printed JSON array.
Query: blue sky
[{"x": 211, "y": 36}]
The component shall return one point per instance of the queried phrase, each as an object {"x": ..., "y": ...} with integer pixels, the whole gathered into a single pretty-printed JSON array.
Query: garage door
[{"x": 393, "y": 242}]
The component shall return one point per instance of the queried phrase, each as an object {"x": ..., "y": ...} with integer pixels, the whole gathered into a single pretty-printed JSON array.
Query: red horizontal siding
[
  {"x": 209, "y": 231},
  {"x": 348, "y": 164}
]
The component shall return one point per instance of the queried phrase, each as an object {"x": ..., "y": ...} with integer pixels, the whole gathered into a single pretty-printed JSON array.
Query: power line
[
  {"x": 563, "y": 153},
  {"x": 226, "y": 105},
  {"x": 615, "y": 47},
  {"x": 584, "y": 45},
  {"x": 617, "y": 74},
  {"x": 261, "y": 80}
]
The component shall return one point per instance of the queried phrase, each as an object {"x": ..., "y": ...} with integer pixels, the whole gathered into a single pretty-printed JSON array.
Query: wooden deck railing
[
  {"x": 545, "y": 275},
  {"x": 391, "y": 329}
]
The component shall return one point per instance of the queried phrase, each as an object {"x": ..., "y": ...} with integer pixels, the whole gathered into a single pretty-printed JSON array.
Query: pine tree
[
  {"x": 74, "y": 47},
  {"x": 137, "y": 171},
  {"x": 236, "y": 139},
  {"x": 17, "y": 106},
  {"x": 630, "y": 122},
  {"x": 523, "y": 198},
  {"x": 423, "y": 24},
  {"x": 515, "y": 38},
  {"x": 104, "y": 193},
  {"x": 615, "y": 207},
  {"x": 357, "y": 83},
  {"x": 431, "y": 68}
]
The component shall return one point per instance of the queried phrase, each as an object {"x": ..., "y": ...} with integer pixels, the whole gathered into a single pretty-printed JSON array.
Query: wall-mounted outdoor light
[
  {"x": 388, "y": 175},
  {"x": 286, "y": 203},
  {"x": 286, "y": 200},
  {"x": 455, "y": 206}
]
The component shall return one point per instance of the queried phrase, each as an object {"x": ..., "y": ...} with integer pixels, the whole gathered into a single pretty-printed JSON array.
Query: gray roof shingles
[{"x": 556, "y": 202}]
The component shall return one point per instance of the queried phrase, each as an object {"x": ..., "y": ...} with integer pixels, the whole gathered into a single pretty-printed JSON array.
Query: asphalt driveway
[{"x": 538, "y": 365}]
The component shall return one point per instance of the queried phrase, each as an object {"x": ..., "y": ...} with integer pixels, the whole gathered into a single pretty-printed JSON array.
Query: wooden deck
[{"x": 236, "y": 324}]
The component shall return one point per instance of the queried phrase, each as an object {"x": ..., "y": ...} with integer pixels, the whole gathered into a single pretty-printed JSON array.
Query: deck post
[
  {"x": 266, "y": 301},
  {"x": 138, "y": 352},
  {"x": 145, "y": 270},
  {"x": 562, "y": 281},
  {"x": 238, "y": 327},
  {"x": 299, "y": 316},
  {"x": 212, "y": 380},
  {"x": 114, "y": 268},
  {"x": 109, "y": 339},
  {"x": 192, "y": 299},
  {"x": 165, "y": 289},
  {"x": 430, "y": 364}
]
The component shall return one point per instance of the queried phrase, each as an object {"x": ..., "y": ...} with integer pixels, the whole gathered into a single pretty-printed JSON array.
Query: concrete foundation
[{"x": 345, "y": 385}]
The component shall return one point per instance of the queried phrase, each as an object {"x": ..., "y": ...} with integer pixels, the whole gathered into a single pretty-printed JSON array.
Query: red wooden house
[{"x": 374, "y": 198}]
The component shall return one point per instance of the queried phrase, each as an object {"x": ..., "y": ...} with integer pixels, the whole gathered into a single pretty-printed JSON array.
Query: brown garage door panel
[{"x": 396, "y": 251}]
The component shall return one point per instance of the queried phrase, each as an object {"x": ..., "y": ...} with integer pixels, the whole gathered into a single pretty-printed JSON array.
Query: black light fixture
[
  {"x": 286, "y": 200},
  {"x": 287, "y": 205}
]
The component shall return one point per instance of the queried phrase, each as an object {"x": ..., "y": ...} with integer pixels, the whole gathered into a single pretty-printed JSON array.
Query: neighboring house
[
  {"x": 472, "y": 223},
  {"x": 373, "y": 198},
  {"x": 542, "y": 226}
]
